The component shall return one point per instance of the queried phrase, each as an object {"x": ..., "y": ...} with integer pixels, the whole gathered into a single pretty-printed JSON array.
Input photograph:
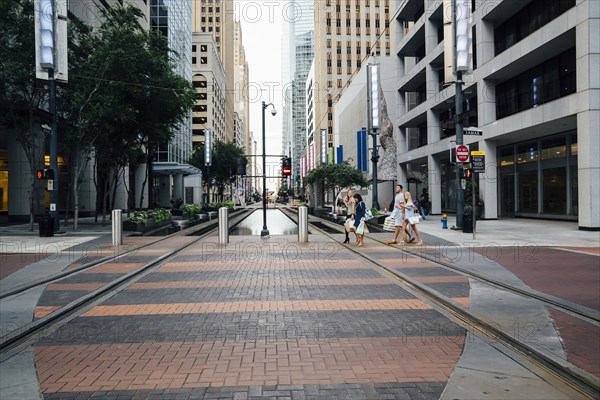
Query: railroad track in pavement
[
  {"x": 13, "y": 341},
  {"x": 580, "y": 380}
]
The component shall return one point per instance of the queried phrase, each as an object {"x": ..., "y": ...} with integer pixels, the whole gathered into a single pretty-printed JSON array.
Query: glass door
[{"x": 507, "y": 195}]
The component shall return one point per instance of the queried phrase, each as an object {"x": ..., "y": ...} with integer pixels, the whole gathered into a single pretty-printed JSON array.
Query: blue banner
[
  {"x": 363, "y": 135},
  {"x": 359, "y": 151},
  {"x": 340, "y": 153}
]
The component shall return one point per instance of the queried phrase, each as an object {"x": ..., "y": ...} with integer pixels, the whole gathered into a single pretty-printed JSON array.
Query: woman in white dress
[{"x": 409, "y": 211}]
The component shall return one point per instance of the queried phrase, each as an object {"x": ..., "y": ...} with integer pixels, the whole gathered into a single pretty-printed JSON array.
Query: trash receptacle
[
  {"x": 468, "y": 220},
  {"x": 46, "y": 224}
]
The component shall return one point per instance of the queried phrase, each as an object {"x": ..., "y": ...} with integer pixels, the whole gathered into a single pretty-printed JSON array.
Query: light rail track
[
  {"x": 576, "y": 378},
  {"x": 13, "y": 341}
]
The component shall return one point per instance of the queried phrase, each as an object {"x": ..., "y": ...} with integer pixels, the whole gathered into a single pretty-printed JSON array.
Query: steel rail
[
  {"x": 576, "y": 378},
  {"x": 63, "y": 274},
  {"x": 12, "y": 342}
]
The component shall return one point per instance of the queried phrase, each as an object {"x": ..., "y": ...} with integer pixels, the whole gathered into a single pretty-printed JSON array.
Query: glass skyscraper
[{"x": 174, "y": 19}]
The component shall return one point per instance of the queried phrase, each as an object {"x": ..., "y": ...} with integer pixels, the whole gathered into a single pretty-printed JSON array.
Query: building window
[
  {"x": 545, "y": 82},
  {"x": 203, "y": 60},
  {"x": 529, "y": 19}
]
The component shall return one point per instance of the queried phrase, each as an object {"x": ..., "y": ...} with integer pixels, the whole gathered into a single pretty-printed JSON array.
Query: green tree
[
  {"x": 21, "y": 94},
  {"x": 336, "y": 177},
  {"x": 224, "y": 164},
  {"x": 123, "y": 99}
]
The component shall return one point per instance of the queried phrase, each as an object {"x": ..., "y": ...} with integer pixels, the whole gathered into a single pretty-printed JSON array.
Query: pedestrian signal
[{"x": 46, "y": 173}]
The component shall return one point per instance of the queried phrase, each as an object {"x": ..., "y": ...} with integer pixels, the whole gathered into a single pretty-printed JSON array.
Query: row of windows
[
  {"x": 203, "y": 60},
  {"x": 529, "y": 19},
  {"x": 547, "y": 81},
  {"x": 203, "y": 48},
  {"x": 338, "y": 23},
  {"x": 210, "y": 9},
  {"x": 210, "y": 19}
]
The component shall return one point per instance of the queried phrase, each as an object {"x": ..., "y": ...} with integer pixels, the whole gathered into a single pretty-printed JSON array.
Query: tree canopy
[
  {"x": 224, "y": 163},
  {"x": 336, "y": 177}
]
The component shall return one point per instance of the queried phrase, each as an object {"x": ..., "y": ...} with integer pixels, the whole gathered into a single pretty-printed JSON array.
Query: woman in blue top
[{"x": 359, "y": 211}]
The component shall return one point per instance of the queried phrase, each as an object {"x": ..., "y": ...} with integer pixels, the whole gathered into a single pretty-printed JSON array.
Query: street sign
[
  {"x": 472, "y": 132},
  {"x": 462, "y": 153},
  {"x": 50, "y": 184},
  {"x": 478, "y": 163}
]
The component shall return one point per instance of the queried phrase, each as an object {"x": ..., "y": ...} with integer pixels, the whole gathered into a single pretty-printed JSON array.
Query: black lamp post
[{"x": 265, "y": 230}]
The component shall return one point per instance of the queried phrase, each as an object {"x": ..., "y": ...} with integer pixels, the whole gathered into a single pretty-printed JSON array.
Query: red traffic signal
[
  {"x": 46, "y": 173},
  {"x": 286, "y": 171},
  {"x": 468, "y": 172}
]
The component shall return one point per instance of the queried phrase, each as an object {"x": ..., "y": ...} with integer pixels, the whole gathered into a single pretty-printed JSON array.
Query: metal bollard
[
  {"x": 302, "y": 224},
  {"x": 223, "y": 226},
  {"x": 117, "y": 227}
]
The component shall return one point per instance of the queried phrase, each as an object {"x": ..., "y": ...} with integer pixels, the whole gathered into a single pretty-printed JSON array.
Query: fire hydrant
[{"x": 444, "y": 221}]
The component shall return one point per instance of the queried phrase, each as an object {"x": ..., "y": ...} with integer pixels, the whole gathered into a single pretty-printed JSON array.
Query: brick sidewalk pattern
[{"x": 214, "y": 325}]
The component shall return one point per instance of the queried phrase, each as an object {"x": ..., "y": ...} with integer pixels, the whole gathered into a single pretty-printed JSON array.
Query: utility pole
[
  {"x": 460, "y": 16},
  {"x": 373, "y": 122}
]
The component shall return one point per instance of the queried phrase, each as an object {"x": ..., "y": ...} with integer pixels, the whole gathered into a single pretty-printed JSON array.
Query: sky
[{"x": 262, "y": 24}]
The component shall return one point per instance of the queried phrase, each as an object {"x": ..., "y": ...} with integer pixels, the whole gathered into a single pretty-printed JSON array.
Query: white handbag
[{"x": 414, "y": 219}]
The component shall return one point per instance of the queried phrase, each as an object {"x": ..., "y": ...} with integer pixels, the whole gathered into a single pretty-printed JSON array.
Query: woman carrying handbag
[
  {"x": 409, "y": 218},
  {"x": 359, "y": 219}
]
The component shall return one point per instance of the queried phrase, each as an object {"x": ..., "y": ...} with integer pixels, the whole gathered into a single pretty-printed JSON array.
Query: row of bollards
[{"x": 117, "y": 226}]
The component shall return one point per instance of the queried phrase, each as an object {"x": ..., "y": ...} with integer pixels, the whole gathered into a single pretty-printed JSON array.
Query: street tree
[
  {"x": 21, "y": 94},
  {"x": 336, "y": 177},
  {"x": 224, "y": 164},
  {"x": 123, "y": 99}
]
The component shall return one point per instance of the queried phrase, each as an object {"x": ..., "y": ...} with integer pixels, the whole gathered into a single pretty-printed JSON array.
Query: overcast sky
[{"x": 262, "y": 23}]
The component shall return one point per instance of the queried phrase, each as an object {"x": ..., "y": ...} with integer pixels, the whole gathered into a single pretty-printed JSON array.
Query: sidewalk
[{"x": 514, "y": 232}]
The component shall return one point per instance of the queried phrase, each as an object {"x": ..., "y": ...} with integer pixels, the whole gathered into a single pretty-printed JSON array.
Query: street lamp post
[{"x": 265, "y": 230}]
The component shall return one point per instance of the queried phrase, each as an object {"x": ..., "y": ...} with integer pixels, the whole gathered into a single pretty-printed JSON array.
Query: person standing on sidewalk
[
  {"x": 360, "y": 210},
  {"x": 398, "y": 215},
  {"x": 350, "y": 205}
]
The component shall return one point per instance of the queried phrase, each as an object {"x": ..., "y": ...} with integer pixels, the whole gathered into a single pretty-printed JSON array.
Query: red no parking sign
[{"x": 462, "y": 153}]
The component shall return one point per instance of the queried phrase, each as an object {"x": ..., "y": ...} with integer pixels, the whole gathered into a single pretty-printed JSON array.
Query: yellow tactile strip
[{"x": 137, "y": 366}]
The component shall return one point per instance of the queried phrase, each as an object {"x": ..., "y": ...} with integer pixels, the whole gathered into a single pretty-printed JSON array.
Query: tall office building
[
  {"x": 346, "y": 33},
  {"x": 217, "y": 17},
  {"x": 240, "y": 91},
  {"x": 173, "y": 19},
  {"x": 297, "y": 56},
  {"x": 532, "y": 91},
  {"x": 209, "y": 81}
]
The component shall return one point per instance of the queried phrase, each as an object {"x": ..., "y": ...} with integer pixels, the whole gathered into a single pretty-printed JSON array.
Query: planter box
[{"x": 141, "y": 227}]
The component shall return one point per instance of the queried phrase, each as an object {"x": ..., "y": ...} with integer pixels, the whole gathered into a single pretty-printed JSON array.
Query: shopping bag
[
  {"x": 360, "y": 230},
  {"x": 414, "y": 219},
  {"x": 389, "y": 224},
  {"x": 349, "y": 224},
  {"x": 368, "y": 215}
]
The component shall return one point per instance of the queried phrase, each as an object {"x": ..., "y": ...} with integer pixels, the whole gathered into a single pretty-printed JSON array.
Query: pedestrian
[
  {"x": 350, "y": 204},
  {"x": 398, "y": 215},
  {"x": 419, "y": 208},
  {"x": 359, "y": 219},
  {"x": 409, "y": 211}
]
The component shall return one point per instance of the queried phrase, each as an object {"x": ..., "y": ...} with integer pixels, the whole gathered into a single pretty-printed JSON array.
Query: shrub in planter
[{"x": 191, "y": 208}]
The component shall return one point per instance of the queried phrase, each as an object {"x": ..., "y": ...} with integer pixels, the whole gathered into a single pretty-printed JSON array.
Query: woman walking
[
  {"x": 350, "y": 205},
  {"x": 409, "y": 211},
  {"x": 360, "y": 210}
]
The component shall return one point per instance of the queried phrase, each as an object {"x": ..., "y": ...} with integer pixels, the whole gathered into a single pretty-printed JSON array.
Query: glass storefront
[{"x": 539, "y": 177}]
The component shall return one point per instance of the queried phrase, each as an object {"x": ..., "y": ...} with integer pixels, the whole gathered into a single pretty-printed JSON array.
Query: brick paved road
[{"x": 259, "y": 319}]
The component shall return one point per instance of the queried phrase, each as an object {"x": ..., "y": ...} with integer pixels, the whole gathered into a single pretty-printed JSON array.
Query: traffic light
[
  {"x": 468, "y": 172},
  {"x": 286, "y": 169},
  {"x": 241, "y": 166},
  {"x": 46, "y": 173}
]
